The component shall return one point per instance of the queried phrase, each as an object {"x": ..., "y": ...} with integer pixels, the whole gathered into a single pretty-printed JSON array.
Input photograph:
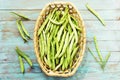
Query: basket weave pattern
[{"x": 73, "y": 11}]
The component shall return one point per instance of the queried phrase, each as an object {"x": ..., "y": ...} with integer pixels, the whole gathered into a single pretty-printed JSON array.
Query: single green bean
[
  {"x": 94, "y": 56},
  {"x": 48, "y": 51},
  {"x": 74, "y": 20},
  {"x": 69, "y": 52},
  {"x": 53, "y": 55},
  {"x": 21, "y": 64},
  {"x": 57, "y": 22},
  {"x": 106, "y": 60},
  {"x": 42, "y": 46},
  {"x": 63, "y": 66},
  {"x": 61, "y": 45},
  {"x": 24, "y": 30},
  {"x": 98, "y": 51},
  {"x": 21, "y": 16},
  {"x": 74, "y": 30},
  {"x": 45, "y": 42},
  {"x": 21, "y": 32},
  {"x": 43, "y": 25},
  {"x": 24, "y": 56},
  {"x": 69, "y": 29},
  {"x": 73, "y": 54},
  {"x": 45, "y": 59},
  {"x": 96, "y": 14}
]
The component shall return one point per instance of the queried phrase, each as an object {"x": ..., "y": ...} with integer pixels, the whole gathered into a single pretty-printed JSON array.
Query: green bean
[
  {"x": 73, "y": 54},
  {"x": 94, "y": 56},
  {"x": 96, "y": 14},
  {"x": 44, "y": 42},
  {"x": 24, "y": 30},
  {"x": 74, "y": 30},
  {"x": 69, "y": 29},
  {"x": 98, "y": 51},
  {"x": 48, "y": 51},
  {"x": 70, "y": 50},
  {"x": 63, "y": 66},
  {"x": 42, "y": 46},
  {"x": 21, "y": 64},
  {"x": 61, "y": 30},
  {"x": 76, "y": 26},
  {"x": 52, "y": 55},
  {"x": 24, "y": 56},
  {"x": 57, "y": 22},
  {"x": 21, "y": 16},
  {"x": 43, "y": 25},
  {"x": 45, "y": 60},
  {"x": 106, "y": 60},
  {"x": 74, "y": 20},
  {"x": 21, "y": 32},
  {"x": 61, "y": 45}
]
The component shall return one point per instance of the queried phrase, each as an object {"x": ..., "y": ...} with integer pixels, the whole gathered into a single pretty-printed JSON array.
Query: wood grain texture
[
  {"x": 108, "y": 40},
  {"x": 99, "y": 4},
  {"x": 109, "y": 15}
]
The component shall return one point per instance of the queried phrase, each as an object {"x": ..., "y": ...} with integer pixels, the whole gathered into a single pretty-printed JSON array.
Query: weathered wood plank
[
  {"x": 108, "y": 35},
  {"x": 7, "y": 56},
  {"x": 8, "y": 30},
  {"x": 77, "y": 76},
  {"x": 24, "y": 4},
  {"x": 10, "y": 42},
  {"x": 33, "y": 14},
  {"x": 86, "y": 66},
  {"x": 89, "y": 25}
]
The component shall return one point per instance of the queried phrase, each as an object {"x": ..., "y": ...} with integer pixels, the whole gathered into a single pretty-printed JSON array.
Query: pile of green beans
[
  {"x": 59, "y": 37},
  {"x": 21, "y": 55}
]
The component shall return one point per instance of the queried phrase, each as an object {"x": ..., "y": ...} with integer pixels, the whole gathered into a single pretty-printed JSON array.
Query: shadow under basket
[{"x": 73, "y": 11}]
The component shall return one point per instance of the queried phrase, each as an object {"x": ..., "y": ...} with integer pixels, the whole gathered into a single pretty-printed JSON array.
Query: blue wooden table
[{"x": 108, "y": 40}]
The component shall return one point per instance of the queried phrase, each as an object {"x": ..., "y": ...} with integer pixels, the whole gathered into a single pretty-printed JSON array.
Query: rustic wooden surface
[{"x": 108, "y": 39}]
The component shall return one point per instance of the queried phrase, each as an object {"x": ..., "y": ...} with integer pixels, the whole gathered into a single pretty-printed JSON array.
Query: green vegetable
[
  {"x": 106, "y": 60},
  {"x": 98, "y": 51},
  {"x": 22, "y": 54},
  {"x": 43, "y": 25},
  {"x": 56, "y": 22},
  {"x": 21, "y": 32},
  {"x": 21, "y": 16},
  {"x": 96, "y": 14},
  {"x": 24, "y": 30},
  {"x": 94, "y": 56},
  {"x": 48, "y": 51},
  {"x": 58, "y": 40},
  {"x": 61, "y": 45},
  {"x": 61, "y": 30},
  {"x": 101, "y": 61},
  {"x": 74, "y": 30},
  {"x": 21, "y": 64}
]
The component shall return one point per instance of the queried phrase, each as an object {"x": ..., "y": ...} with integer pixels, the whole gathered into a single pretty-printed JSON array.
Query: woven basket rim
[{"x": 36, "y": 50}]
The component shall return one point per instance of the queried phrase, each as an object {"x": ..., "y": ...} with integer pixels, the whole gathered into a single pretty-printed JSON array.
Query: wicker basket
[{"x": 73, "y": 11}]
